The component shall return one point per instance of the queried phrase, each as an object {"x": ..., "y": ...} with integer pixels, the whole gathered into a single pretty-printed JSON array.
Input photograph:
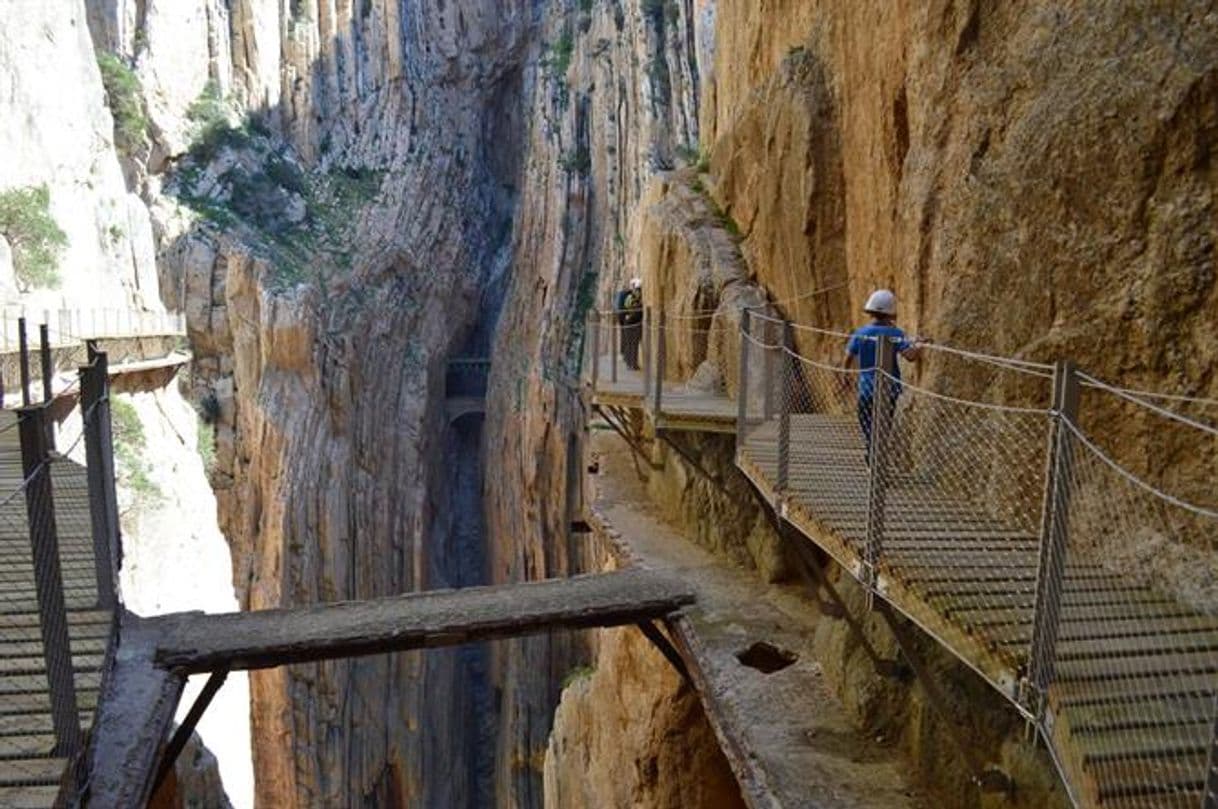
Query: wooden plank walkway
[
  {"x": 1135, "y": 668},
  {"x": 251, "y": 640},
  {"x": 29, "y": 771}
]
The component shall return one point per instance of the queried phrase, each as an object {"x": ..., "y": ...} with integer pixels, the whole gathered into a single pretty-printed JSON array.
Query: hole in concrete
[{"x": 766, "y": 657}]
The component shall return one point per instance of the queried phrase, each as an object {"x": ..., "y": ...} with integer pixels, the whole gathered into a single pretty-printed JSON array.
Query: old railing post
[
  {"x": 23, "y": 358},
  {"x": 48, "y": 579},
  {"x": 99, "y": 470},
  {"x": 44, "y": 354},
  {"x": 742, "y": 384},
  {"x": 1055, "y": 519},
  {"x": 661, "y": 360},
  {"x": 784, "y": 410},
  {"x": 877, "y": 451}
]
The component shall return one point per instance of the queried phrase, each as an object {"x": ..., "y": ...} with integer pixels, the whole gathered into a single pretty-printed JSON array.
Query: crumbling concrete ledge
[{"x": 787, "y": 737}]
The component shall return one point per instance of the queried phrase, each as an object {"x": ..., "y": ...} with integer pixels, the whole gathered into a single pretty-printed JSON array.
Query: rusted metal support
[
  {"x": 44, "y": 354},
  {"x": 781, "y": 483},
  {"x": 48, "y": 579},
  {"x": 742, "y": 384},
  {"x": 987, "y": 779},
  {"x": 182, "y": 735},
  {"x": 1054, "y": 536},
  {"x": 664, "y": 645},
  {"x": 693, "y": 462},
  {"x": 99, "y": 471},
  {"x": 23, "y": 358},
  {"x": 882, "y": 402},
  {"x": 618, "y": 426}
]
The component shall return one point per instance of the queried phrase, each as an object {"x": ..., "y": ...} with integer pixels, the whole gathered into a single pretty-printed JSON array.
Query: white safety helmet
[
  {"x": 636, "y": 283},
  {"x": 881, "y": 302}
]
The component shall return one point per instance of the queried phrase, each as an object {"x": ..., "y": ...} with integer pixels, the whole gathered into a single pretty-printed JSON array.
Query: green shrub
[
  {"x": 130, "y": 449},
  {"x": 36, "y": 239},
  {"x": 211, "y": 129},
  {"x": 125, "y": 97}
]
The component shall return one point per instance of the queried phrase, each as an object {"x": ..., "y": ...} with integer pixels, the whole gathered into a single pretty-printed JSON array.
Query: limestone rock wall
[
  {"x": 56, "y": 131},
  {"x": 630, "y": 732}
]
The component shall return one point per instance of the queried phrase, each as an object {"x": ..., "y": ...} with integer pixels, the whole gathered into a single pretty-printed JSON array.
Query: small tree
[{"x": 36, "y": 239}]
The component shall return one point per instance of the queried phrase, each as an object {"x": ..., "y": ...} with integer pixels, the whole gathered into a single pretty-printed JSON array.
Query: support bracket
[
  {"x": 182, "y": 734},
  {"x": 665, "y": 647}
]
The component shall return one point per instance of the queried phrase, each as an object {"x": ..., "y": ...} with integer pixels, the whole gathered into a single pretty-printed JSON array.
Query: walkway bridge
[
  {"x": 989, "y": 516},
  {"x": 465, "y": 385},
  {"x": 59, "y": 540}
]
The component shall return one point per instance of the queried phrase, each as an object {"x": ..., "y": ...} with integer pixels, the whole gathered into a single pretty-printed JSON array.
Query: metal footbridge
[
  {"x": 59, "y": 541},
  {"x": 989, "y": 515}
]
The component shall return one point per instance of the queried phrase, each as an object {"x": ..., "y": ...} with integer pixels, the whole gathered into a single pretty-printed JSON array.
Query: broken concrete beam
[{"x": 252, "y": 640}]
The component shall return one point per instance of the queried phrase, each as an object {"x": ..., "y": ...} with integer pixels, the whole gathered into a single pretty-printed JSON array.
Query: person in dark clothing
[{"x": 630, "y": 320}]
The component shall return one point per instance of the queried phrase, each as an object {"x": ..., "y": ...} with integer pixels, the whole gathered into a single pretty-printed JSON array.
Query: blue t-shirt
[{"x": 866, "y": 350}]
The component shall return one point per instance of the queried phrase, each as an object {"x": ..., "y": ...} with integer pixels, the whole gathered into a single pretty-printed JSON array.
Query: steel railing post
[
  {"x": 742, "y": 384},
  {"x": 615, "y": 343},
  {"x": 1054, "y": 535},
  {"x": 767, "y": 373},
  {"x": 23, "y": 358},
  {"x": 784, "y": 412},
  {"x": 48, "y": 579},
  {"x": 99, "y": 470},
  {"x": 645, "y": 336},
  {"x": 661, "y": 360},
  {"x": 882, "y": 411},
  {"x": 44, "y": 354}
]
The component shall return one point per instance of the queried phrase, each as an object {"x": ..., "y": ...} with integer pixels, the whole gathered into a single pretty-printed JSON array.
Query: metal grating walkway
[
  {"x": 30, "y": 771},
  {"x": 1000, "y": 528}
]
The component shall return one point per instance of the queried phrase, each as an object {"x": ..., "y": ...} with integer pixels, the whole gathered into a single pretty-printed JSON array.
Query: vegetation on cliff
[
  {"x": 242, "y": 177},
  {"x": 31, "y": 231},
  {"x": 125, "y": 97}
]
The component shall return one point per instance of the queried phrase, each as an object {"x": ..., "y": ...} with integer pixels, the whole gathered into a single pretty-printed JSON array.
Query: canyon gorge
[{"x": 344, "y": 195}]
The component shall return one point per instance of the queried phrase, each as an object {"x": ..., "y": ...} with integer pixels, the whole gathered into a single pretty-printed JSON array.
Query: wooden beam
[{"x": 196, "y": 643}]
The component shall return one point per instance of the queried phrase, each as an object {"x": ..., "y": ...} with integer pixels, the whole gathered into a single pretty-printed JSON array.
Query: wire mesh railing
[
  {"x": 57, "y": 605},
  {"x": 969, "y": 494}
]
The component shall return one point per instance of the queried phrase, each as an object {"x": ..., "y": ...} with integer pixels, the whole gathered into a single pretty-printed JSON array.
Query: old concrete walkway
[{"x": 788, "y": 738}]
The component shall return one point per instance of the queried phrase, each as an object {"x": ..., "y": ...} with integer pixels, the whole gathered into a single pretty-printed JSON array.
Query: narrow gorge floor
[{"x": 789, "y": 739}]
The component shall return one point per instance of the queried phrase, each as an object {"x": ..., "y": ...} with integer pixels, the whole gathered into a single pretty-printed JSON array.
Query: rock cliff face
[
  {"x": 387, "y": 184},
  {"x": 57, "y": 132},
  {"x": 1030, "y": 181}
]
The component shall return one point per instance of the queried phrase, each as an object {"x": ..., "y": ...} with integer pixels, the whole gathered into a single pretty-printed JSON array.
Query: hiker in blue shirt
[{"x": 863, "y": 348}]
